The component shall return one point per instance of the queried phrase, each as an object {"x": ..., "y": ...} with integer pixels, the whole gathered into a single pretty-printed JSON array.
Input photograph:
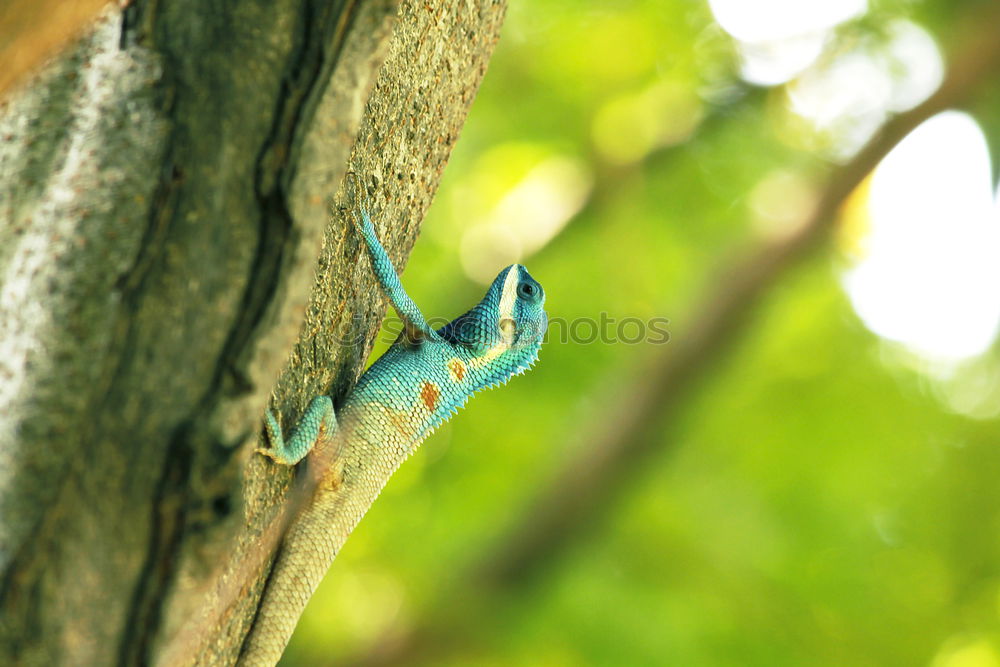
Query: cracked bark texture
[{"x": 169, "y": 235}]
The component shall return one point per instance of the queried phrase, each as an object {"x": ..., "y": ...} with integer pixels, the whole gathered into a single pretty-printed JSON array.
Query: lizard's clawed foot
[{"x": 266, "y": 451}]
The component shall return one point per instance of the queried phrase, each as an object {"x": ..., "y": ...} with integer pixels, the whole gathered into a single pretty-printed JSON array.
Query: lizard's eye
[{"x": 526, "y": 290}]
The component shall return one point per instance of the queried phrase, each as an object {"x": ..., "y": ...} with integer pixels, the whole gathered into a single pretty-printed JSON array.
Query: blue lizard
[{"x": 423, "y": 378}]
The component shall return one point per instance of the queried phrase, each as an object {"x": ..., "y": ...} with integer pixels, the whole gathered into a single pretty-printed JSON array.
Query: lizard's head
[{"x": 504, "y": 331}]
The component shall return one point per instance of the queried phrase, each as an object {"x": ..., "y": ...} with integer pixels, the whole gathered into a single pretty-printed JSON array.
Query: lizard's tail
[{"x": 308, "y": 550}]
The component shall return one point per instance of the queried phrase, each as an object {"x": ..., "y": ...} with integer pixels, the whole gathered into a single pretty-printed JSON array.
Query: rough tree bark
[{"x": 166, "y": 231}]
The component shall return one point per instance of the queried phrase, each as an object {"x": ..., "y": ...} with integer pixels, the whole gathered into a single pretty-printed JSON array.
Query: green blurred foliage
[{"x": 813, "y": 503}]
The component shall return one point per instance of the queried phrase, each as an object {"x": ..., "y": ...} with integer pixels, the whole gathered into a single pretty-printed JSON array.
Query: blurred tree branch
[{"x": 613, "y": 449}]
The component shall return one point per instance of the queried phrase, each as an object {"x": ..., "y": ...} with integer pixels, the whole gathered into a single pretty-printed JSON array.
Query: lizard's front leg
[
  {"x": 318, "y": 421},
  {"x": 387, "y": 277}
]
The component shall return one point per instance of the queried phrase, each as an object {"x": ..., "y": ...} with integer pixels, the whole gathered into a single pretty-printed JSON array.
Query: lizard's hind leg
[{"x": 318, "y": 422}]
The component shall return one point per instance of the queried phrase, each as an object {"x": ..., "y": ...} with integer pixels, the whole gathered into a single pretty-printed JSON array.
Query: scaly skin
[{"x": 415, "y": 386}]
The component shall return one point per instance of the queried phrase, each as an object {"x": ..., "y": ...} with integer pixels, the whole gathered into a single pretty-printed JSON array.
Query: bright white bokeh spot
[
  {"x": 854, "y": 85},
  {"x": 913, "y": 57},
  {"x": 769, "y": 20},
  {"x": 777, "y": 39},
  {"x": 848, "y": 98},
  {"x": 929, "y": 277},
  {"x": 775, "y": 62}
]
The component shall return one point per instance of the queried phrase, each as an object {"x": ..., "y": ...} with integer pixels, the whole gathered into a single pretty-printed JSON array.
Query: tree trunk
[{"x": 166, "y": 231}]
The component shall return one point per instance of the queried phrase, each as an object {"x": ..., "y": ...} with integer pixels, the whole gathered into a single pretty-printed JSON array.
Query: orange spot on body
[
  {"x": 456, "y": 369},
  {"x": 430, "y": 393}
]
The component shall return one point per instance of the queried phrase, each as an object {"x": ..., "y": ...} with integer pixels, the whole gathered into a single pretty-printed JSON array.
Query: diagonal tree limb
[
  {"x": 615, "y": 448},
  {"x": 623, "y": 438},
  {"x": 608, "y": 456}
]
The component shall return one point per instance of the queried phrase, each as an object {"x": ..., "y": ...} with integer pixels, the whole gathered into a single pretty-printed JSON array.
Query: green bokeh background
[{"x": 811, "y": 502}]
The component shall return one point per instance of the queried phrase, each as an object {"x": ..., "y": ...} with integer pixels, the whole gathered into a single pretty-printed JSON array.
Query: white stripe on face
[{"x": 508, "y": 296}]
